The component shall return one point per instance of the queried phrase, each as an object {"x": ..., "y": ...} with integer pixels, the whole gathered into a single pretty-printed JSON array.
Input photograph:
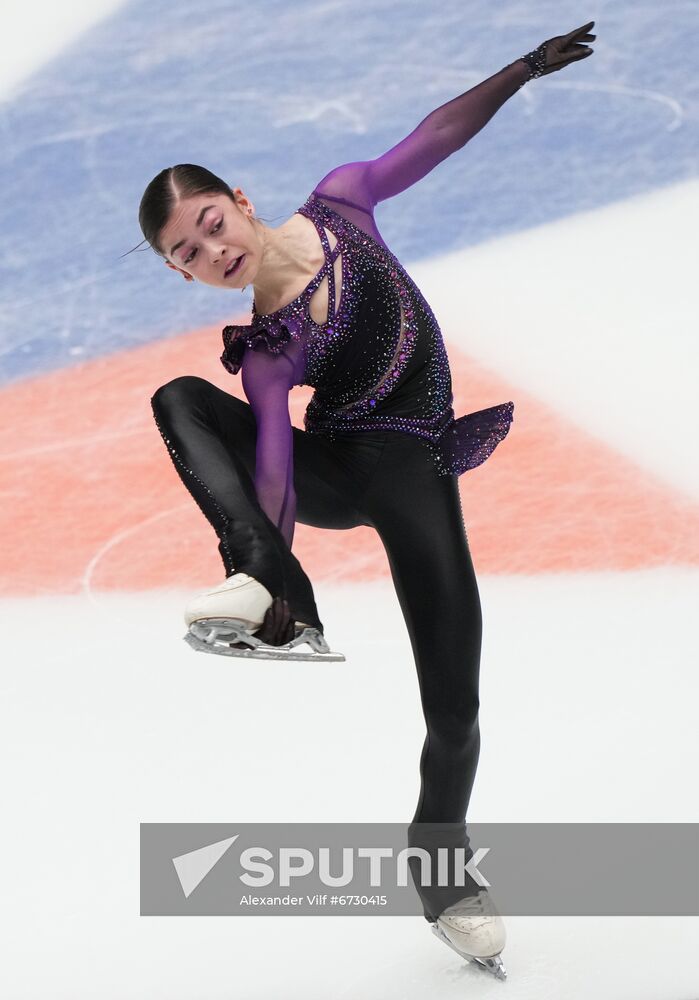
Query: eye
[{"x": 192, "y": 255}]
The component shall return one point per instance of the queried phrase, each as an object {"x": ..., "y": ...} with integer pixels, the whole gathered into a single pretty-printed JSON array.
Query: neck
[{"x": 283, "y": 262}]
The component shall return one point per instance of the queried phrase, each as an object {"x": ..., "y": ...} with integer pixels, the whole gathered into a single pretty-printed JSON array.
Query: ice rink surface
[{"x": 557, "y": 251}]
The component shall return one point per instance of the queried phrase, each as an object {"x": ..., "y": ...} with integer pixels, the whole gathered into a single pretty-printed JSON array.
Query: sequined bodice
[
  {"x": 357, "y": 361},
  {"x": 379, "y": 360},
  {"x": 380, "y": 363},
  {"x": 380, "y": 334}
]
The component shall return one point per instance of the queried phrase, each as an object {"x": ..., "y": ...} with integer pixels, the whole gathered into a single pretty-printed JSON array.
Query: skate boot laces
[
  {"x": 480, "y": 905},
  {"x": 473, "y": 914},
  {"x": 473, "y": 928}
]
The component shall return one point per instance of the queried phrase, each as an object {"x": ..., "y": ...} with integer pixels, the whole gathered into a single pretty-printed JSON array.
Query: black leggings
[{"x": 388, "y": 481}]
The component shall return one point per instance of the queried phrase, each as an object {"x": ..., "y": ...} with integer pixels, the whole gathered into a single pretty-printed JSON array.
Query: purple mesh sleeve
[
  {"x": 353, "y": 189},
  {"x": 267, "y": 380}
]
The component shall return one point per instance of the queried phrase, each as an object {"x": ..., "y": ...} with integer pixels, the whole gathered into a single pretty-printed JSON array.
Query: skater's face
[{"x": 206, "y": 233}]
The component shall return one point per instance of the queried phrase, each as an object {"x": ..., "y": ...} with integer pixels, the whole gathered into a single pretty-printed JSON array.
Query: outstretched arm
[
  {"x": 267, "y": 380},
  {"x": 437, "y": 136},
  {"x": 449, "y": 127},
  {"x": 441, "y": 133}
]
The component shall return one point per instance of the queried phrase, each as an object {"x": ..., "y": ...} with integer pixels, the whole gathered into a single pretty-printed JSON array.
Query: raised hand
[{"x": 560, "y": 51}]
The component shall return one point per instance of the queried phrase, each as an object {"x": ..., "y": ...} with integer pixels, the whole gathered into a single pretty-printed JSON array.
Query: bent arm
[{"x": 267, "y": 380}]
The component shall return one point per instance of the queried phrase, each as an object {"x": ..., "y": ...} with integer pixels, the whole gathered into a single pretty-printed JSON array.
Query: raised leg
[{"x": 211, "y": 436}]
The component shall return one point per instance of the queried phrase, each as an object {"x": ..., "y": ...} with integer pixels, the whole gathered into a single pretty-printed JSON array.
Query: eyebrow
[{"x": 201, "y": 215}]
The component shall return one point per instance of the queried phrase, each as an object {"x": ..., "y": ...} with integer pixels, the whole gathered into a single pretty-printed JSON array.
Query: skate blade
[
  {"x": 215, "y": 635},
  {"x": 491, "y": 963}
]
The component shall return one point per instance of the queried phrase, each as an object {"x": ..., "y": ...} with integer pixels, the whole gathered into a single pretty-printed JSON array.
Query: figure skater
[{"x": 334, "y": 309}]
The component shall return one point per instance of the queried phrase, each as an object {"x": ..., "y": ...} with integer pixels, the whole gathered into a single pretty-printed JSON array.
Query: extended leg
[{"x": 418, "y": 516}]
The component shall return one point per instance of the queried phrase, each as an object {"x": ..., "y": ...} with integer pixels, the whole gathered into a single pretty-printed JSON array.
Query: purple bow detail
[{"x": 270, "y": 333}]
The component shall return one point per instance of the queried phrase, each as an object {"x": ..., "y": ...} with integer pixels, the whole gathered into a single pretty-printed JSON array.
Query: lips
[{"x": 235, "y": 267}]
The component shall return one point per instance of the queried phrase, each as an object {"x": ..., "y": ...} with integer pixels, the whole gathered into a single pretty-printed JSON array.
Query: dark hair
[{"x": 185, "y": 180}]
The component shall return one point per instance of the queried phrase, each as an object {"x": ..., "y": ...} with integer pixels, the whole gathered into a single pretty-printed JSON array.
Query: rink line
[{"x": 89, "y": 473}]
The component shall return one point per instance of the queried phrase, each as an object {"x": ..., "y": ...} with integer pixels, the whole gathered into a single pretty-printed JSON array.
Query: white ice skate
[
  {"x": 475, "y": 930},
  {"x": 232, "y": 611}
]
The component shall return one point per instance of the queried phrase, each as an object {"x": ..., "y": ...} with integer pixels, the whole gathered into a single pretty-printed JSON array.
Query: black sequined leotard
[{"x": 378, "y": 362}]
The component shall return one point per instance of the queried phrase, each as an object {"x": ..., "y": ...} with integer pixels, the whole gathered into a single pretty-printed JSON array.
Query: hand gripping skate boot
[
  {"x": 475, "y": 930},
  {"x": 232, "y": 611}
]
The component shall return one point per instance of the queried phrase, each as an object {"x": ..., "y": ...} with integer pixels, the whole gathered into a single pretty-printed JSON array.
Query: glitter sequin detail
[
  {"x": 383, "y": 336},
  {"x": 223, "y": 517}
]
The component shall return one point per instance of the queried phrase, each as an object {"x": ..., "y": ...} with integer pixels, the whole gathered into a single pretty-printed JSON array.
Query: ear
[
  {"x": 174, "y": 267},
  {"x": 243, "y": 202}
]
